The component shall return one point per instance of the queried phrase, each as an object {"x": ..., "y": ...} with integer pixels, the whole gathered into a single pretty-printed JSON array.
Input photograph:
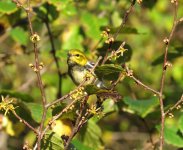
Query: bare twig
[
  {"x": 179, "y": 102},
  {"x": 165, "y": 65},
  {"x": 25, "y": 122},
  {"x": 130, "y": 74},
  {"x": 40, "y": 84},
  {"x": 75, "y": 129},
  {"x": 125, "y": 18},
  {"x": 60, "y": 114},
  {"x": 37, "y": 70}
]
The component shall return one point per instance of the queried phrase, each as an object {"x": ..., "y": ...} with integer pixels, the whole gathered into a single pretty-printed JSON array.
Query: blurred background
[{"x": 132, "y": 123}]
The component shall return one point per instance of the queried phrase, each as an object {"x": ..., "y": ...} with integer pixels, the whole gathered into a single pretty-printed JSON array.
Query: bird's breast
[{"x": 78, "y": 74}]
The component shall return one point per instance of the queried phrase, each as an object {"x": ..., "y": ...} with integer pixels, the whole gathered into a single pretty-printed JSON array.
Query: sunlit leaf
[
  {"x": 92, "y": 25},
  {"x": 7, "y": 6},
  {"x": 67, "y": 7},
  {"x": 91, "y": 135},
  {"x": 109, "y": 106},
  {"x": 72, "y": 38},
  {"x": 80, "y": 146},
  {"x": 142, "y": 107},
  {"x": 36, "y": 111},
  {"x": 181, "y": 123},
  {"x": 171, "y": 137},
  {"x": 19, "y": 35}
]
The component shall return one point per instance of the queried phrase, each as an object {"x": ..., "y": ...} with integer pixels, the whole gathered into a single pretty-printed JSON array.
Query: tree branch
[
  {"x": 165, "y": 65},
  {"x": 25, "y": 122},
  {"x": 174, "y": 106},
  {"x": 125, "y": 18}
]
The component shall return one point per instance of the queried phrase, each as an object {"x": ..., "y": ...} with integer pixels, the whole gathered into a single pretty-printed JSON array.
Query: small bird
[{"x": 78, "y": 68}]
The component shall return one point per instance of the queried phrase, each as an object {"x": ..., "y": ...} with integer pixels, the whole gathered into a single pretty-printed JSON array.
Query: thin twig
[
  {"x": 37, "y": 70},
  {"x": 60, "y": 114},
  {"x": 75, "y": 129},
  {"x": 174, "y": 106},
  {"x": 163, "y": 75},
  {"x": 125, "y": 18},
  {"x": 25, "y": 122},
  {"x": 130, "y": 74}
]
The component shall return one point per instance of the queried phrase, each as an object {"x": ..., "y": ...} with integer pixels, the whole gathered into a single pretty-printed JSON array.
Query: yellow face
[{"x": 76, "y": 57}]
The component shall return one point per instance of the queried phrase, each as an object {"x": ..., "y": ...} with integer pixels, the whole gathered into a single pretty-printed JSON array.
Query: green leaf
[
  {"x": 22, "y": 96},
  {"x": 67, "y": 7},
  {"x": 180, "y": 123},
  {"x": 91, "y": 135},
  {"x": 92, "y": 24},
  {"x": 108, "y": 71},
  {"x": 109, "y": 106},
  {"x": 52, "y": 141},
  {"x": 36, "y": 111},
  {"x": 74, "y": 38},
  {"x": 142, "y": 107},
  {"x": 19, "y": 35},
  {"x": 7, "y": 7},
  {"x": 171, "y": 137},
  {"x": 80, "y": 146}
]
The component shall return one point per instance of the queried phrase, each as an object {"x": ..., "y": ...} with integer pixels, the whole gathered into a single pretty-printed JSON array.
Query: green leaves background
[{"x": 78, "y": 24}]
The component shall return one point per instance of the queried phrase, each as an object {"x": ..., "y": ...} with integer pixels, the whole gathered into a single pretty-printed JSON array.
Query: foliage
[{"x": 126, "y": 108}]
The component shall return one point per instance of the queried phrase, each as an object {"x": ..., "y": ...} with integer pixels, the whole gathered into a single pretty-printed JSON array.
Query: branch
[
  {"x": 76, "y": 127},
  {"x": 146, "y": 87},
  {"x": 175, "y": 106},
  {"x": 125, "y": 18},
  {"x": 60, "y": 114},
  {"x": 35, "y": 39},
  {"x": 165, "y": 65},
  {"x": 25, "y": 122}
]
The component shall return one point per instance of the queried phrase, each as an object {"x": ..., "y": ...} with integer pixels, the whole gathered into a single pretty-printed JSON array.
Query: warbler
[{"x": 79, "y": 67}]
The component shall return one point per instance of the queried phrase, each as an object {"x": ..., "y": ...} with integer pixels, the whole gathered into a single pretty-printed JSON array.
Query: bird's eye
[{"x": 77, "y": 55}]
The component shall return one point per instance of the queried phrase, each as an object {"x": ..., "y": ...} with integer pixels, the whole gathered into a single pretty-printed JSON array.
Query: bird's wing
[{"x": 89, "y": 65}]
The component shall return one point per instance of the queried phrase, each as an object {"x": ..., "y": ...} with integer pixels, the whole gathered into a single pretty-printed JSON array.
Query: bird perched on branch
[{"x": 79, "y": 68}]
